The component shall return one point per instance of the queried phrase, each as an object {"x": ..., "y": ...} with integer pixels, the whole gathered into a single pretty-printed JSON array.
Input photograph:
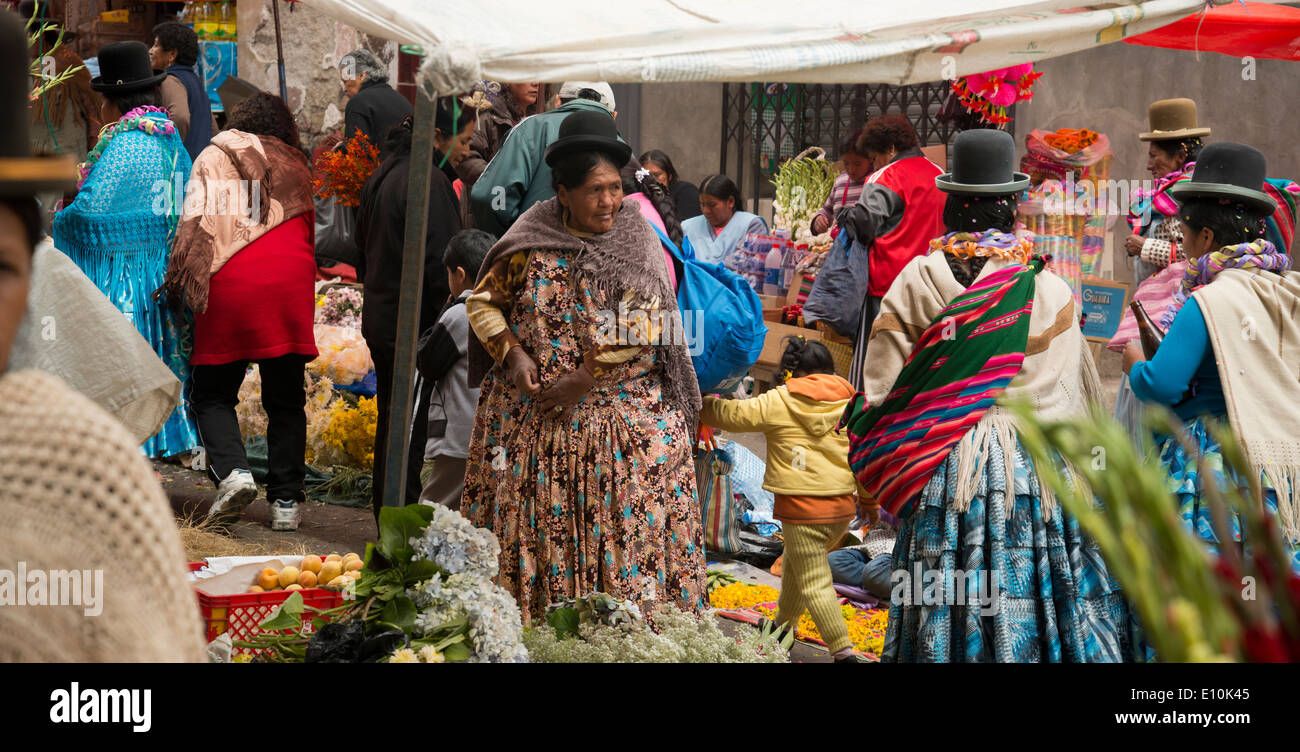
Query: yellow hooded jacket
[{"x": 805, "y": 455}]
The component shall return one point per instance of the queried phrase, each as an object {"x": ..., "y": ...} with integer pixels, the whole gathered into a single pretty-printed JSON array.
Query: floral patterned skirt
[{"x": 601, "y": 501}]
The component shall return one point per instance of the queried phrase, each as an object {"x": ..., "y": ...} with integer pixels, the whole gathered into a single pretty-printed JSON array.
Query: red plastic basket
[{"x": 239, "y": 614}]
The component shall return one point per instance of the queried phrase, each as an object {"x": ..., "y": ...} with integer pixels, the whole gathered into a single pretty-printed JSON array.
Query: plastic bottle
[
  {"x": 788, "y": 263},
  {"x": 209, "y": 28},
  {"x": 227, "y": 21},
  {"x": 772, "y": 270},
  {"x": 188, "y": 15}
]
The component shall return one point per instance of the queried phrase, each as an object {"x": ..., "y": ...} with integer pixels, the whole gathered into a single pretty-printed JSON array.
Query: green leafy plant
[{"x": 1189, "y": 602}]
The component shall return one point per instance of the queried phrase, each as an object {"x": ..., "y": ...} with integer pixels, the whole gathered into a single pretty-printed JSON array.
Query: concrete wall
[
  {"x": 313, "y": 44},
  {"x": 685, "y": 121},
  {"x": 1109, "y": 88}
]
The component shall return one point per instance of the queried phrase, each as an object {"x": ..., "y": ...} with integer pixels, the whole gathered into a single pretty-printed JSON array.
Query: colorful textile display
[{"x": 1066, "y": 206}]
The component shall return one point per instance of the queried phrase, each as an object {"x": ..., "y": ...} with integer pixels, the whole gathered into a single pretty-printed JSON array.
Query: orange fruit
[
  {"x": 256, "y": 589},
  {"x": 268, "y": 578},
  {"x": 311, "y": 563},
  {"x": 333, "y": 557},
  {"x": 294, "y": 586},
  {"x": 288, "y": 575},
  {"x": 328, "y": 571},
  {"x": 353, "y": 565},
  {"x": 307, "y": 579}
]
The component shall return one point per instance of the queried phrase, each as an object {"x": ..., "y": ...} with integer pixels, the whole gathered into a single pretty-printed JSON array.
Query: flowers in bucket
[
  {"x": 339, "y": 306},
  {"x": 990, "y": 94},
  {"x": 342, "y": 173}
]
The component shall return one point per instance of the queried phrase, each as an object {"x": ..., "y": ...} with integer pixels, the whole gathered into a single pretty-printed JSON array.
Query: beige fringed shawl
[
  {"x": 242, "y": 187},
  {"x": 1058, "y": 376},
  {"x": 1254, "y": 324}
]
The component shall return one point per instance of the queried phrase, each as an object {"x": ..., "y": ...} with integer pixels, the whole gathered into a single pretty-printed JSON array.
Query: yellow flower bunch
[
  {"x": 351, "y": 432},
  {"x": 866, "y": 628},
  {"x": 742, "y": 595}
]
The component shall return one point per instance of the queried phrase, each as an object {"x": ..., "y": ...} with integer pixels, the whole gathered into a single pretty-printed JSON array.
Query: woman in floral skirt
[{"x": 581, "y": 459}]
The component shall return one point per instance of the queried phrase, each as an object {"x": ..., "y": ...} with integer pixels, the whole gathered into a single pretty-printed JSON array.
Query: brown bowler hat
[{"x": 1172, "y": 119}]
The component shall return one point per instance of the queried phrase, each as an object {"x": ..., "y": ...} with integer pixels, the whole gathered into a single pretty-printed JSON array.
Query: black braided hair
[
  {"x": 970, "y": 213},
  {"x": 658, "y": 195},
  {"x": 1190, "y": 147},
  {"x": 965, "y": 272},
  {"x": 1231, "y": 221},
  {"x": 807, "y": 356}
]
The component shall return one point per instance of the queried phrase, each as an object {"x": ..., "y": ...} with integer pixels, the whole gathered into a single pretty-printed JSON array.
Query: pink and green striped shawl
[{"x": 957, "y": 370}]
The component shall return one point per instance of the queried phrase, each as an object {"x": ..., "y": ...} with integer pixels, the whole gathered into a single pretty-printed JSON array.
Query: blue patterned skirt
[
  {"x": 128, "y": 278},
  {"x": 1057, "y": 602},
  {"x": 1185, "y": 485}
]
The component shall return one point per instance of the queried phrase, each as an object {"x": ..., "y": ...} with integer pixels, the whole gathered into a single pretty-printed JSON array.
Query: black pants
[
  {"x": 213, "y": 397},
  {"x": 383, "y": 358},
  {"x": 870, "y": 310}
]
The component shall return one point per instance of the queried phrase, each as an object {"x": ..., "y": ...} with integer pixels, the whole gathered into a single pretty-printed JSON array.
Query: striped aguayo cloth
[{"x": 959, "y": 367}]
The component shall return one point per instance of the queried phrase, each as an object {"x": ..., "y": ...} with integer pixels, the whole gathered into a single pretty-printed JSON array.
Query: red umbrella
[{"x": 1242, "y": 29}]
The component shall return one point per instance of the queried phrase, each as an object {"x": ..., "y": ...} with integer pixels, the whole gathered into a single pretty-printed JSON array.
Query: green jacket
[{"x": 518, "y": 176}]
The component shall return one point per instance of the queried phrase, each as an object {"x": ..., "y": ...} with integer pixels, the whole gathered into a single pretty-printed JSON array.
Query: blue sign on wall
[
  {"x": 218, "y": 60},
  {"x": 1103, "y": 305}
]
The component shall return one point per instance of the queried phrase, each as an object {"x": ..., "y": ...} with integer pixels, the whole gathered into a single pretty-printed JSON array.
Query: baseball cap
[{"x": 570, "y": 90}]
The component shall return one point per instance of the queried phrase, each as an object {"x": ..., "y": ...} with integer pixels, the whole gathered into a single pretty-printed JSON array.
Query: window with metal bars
[{"x": 765, "y": 124}]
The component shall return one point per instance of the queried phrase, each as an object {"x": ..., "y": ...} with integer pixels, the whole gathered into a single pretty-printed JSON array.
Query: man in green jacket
[{"x": 518, "y": 176}]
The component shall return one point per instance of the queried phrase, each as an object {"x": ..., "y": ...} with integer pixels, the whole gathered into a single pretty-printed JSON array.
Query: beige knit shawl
[
  {"x": 1254, "y": 323},
  {"x": 1058, "y": 377}
]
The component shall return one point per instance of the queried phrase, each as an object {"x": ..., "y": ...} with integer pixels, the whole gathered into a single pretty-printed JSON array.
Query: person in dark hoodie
[
  {"x": 176, "y": 50},
  {"x": 808, "y": 471},
  {"x": 381, "y": 231}
]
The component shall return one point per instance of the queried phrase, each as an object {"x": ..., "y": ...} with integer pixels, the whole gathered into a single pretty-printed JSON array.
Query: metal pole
[
  {"x": 408, "y": 301},
  {"x": 279, "y": 51}
]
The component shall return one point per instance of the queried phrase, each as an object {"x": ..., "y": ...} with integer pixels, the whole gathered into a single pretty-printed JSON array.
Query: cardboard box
[
  {"x": 772, "y": 347},
  {"x": 772, "y": 301},
  {"x": 772, "y": 314}
]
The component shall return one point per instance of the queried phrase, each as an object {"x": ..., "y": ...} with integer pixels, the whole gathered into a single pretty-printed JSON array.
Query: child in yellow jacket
[{"x": 808, "y": 472}]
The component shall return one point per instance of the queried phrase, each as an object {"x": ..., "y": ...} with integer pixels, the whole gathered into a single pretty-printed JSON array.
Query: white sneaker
[
  {"x": 284, "y": 515},
  {"x": 234, "y": 493}
]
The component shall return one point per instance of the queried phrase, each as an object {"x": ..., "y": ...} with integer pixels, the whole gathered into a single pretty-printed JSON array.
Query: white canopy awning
[{"x": 822, "y": 41}]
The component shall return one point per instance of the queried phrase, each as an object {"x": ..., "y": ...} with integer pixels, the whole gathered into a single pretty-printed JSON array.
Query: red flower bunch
[
  {"x": 790, "y": 314},
  {"x": 342, "y": 174},
  {"x": 990, "y": 94}
]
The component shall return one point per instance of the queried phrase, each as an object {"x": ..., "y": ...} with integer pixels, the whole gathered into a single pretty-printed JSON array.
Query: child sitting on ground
[
  {"x": 442, "y": 361},
  {"x": 808, "y": 472}
]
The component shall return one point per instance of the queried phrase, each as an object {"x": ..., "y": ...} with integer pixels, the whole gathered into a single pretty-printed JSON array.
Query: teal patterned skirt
[
  {"x": 1185, "y": 485},
  {"x": 1058, "y": 603}
]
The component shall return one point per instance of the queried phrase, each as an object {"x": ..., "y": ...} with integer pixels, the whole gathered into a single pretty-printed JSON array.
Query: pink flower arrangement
[{"x": 990, "y": 94}]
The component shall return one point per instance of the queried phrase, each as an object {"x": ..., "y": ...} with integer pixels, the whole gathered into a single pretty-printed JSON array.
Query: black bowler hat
[
  {"x": 1231, "y": 171},
  {"x": 125, "y": 67},
  {"x": 21, "y": 174},
  {"x": 983, "y": 163},
  {"x": 588, "y": 130}
]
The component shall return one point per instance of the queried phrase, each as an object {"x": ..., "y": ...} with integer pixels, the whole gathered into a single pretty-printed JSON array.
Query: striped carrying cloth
[{"x": 959, "y": 367}]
